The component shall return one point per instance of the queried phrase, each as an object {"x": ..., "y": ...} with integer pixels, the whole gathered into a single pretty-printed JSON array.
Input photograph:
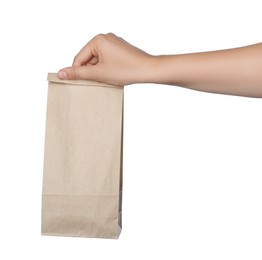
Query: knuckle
[
  {"x": 99, "y": 36},
  {"x": 103, "y": 37},
  {"x": 110, "y": 34},
  {"x": 75, "y": 73}
]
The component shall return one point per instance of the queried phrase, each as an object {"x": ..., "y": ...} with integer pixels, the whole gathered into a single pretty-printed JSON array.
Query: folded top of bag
[{"x": 52, "y": 77}]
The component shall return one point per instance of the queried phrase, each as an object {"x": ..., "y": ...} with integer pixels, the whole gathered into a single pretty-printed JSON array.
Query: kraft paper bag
[{"x": 82, "y": 180}]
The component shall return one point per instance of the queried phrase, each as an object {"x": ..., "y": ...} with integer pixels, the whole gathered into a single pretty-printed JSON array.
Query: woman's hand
[{"x": 108, "y": 58}]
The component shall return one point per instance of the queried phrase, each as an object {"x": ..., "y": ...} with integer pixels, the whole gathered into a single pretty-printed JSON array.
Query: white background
[{"x": 192, "y": 160}]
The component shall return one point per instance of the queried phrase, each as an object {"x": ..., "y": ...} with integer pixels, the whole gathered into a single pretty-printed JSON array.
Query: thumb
[{"x": 75, "y": 72}]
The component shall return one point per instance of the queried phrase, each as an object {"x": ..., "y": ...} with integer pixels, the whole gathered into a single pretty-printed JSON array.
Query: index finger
[{"x": 85, "y": 55}]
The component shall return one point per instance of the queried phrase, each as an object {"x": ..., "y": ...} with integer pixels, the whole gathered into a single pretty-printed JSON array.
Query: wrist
[
  {"x": 160, "y": 69},
  {"x": 149, "y": 70}
]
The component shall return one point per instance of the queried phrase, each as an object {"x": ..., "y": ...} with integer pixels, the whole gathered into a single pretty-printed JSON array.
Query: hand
[{"x": 108, "y": 58}]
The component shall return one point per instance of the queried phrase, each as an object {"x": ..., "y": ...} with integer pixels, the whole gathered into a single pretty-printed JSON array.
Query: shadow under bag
[{"x": 82, "y": 180}]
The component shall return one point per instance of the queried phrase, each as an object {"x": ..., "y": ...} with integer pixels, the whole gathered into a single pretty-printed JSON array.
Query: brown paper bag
[{"x": 82, "y": 181}]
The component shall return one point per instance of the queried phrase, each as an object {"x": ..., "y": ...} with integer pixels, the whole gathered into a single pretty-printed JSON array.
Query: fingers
[
  {"x": 93, "y": 61},
  {"x": 82, "y": 64},
  {"x": 77, "y": 72},
  {"x": 91, "y": 51},
  {"x": 85, "y": 55},
  {"x": 88, "y": 53},
  {"x": 103, "y": 52}
]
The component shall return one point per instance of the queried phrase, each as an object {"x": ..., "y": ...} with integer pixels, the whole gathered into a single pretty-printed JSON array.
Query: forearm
[
  {"x": 235, "y": 71},
  {"x": 108, "y": 58}
]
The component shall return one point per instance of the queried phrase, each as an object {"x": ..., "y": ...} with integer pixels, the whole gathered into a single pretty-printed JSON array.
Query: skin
[{"x": 108, "y": 58}]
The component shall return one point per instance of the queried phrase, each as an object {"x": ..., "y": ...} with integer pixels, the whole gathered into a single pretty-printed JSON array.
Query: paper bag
[{"x": 82, "y": 180}]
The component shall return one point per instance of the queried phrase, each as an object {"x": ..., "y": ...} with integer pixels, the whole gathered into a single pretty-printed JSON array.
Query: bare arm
[
  {"x": 233, "y": 71},
  {"x": 110, "y": 59}
]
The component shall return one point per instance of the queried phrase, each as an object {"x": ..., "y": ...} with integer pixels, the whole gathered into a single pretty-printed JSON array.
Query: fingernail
[{"x": 62, "y": 74}]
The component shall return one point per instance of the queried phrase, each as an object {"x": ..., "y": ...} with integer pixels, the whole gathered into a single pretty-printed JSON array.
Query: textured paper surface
[{"x": 82, "y": 181}]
